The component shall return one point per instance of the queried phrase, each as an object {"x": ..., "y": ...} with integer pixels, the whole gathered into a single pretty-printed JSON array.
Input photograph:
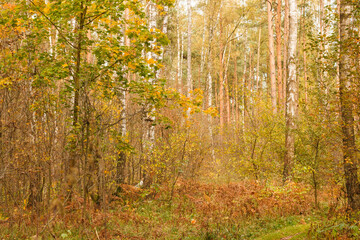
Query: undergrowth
[{"x": 244, "y": 210}]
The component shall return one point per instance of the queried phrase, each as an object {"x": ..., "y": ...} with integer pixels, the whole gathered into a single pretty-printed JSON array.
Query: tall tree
[
  {"x": 346, "y": 91},
  {"x": 278, "y": 54},
  {"x": 189, "y": 35},
  {"x": 286, "y": 41},
  {"x": 271, "y": 55},
  {"x": 221, "y": 73},
  {"x": 292, "y": 91},
  {"x": 258, "y": 83}
]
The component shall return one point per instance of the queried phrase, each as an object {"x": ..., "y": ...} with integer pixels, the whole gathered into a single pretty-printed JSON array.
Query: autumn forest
[{"x": 179, "y": 119}]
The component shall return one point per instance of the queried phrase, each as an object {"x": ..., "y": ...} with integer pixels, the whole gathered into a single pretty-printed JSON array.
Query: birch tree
[
  {"x": 292, "y": 91},
  {"x": 189, "y": 35}
]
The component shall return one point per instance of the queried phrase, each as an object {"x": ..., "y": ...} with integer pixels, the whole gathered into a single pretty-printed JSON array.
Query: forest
[{"x": 179, "y": 119}]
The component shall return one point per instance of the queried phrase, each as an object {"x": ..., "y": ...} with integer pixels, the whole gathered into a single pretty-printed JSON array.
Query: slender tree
[
  {"x": 285, "y": 52},
  {"x": 221, "y": 72},
  {"x": 292, "y": 91},
  {"x": 271, "y": 55},
  {"x": 278, "y": 54},
  {"x": 189, "y": 84}
]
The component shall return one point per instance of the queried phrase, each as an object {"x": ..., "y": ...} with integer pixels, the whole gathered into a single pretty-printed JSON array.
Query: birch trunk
[
  {"x": 226, "y": 87},
  {"x": 121, "y": 161},
  {"x": 271, "y": 56},
  {"x": 150, "y": 118},
  {"x": 292, "y": 92},
  {"x": 203, "y": 52},
  {"x": 210, "y": 87},
  {"x": 179, "y": 55},
  {"x": 221, "y": 76},
  {"x": 181, "y": 62},
  {"x": 152, "y": 25},
  {"x": 304, "y": 54},
  {"x": 165, "y": 27},
  {"x": 189, "y": 31}
]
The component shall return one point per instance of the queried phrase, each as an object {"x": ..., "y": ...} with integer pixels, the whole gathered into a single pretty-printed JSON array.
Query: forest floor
[{"x": 190, "y": 210}]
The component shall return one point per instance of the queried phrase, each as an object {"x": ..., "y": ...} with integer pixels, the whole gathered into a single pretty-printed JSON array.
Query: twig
[{"x": 97, "y": 235}]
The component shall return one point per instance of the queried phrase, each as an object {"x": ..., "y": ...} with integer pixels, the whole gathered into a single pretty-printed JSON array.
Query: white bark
[
  {"x": 165, "y": 28},
  {"x": 292, "y": 95},
  {"x": 151, "y": 117},
  {"x": 189, "y": 35},
  {"x": 178, "y": 55},
  {"x": 189, "y": 84},
  {"x": 181, "y": 60},
  {"x": 292, "y": 91},
  {"x": 203, "y": 52}
]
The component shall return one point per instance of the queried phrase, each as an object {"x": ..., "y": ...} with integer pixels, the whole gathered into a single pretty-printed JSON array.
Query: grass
[
  {"x": 292, "y": 232},
  {"x": 155, "y": 220}
]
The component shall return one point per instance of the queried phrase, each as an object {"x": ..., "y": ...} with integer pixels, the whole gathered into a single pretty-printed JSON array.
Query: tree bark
[
  {"x": 179, "y": 55},
  {"x": 271, "y": 56},
  {"x": 221, "y": 75},
  {"x": 285, "y": 53},
  {"x": 203, "y": 51},
  {"x": 346, "y": 92},
  {"x": 258, "y": 64},
  {"x": 122, "y": 158},
  {"x": 292, "y": 92},
  {"x": 236, "y": 97},
  {"x": 278, "y": 55},
  {"x": 304, "y": 53},
  {"x": 76, "y": 105},
  {"x": 189, "y": 35},
  {"x": 226, "y": 87}
]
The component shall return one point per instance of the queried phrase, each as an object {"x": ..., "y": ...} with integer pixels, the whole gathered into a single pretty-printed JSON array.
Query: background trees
[{"x": 85, "y": 107}]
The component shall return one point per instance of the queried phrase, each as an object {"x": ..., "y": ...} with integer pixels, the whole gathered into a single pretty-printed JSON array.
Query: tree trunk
[
  {"x": 278, "y": 55},
  {"x": 150, "y": 115},
  {"x": 236, "y": 97},
  {"x": 226, "y": 87},
  {"x": 189, "y": 31},
  {"x": 122, "y": 158},
  {"x": 221, "y": 76},
  {"x": 258, "y": 86},
  {"x": 203, "y": 51},
  {"x": 286, "y": 41},
  {"x": 244, "y": 98},
  {"x": 271, "y": 56},
  {"x": 179, "y": 53},
  {"x": 346, "y": 92},
  {"x": 304, "y": 54},
  {"x": 210, "y": 87},
  {"x": 292, "y": 92},
  {"x": 76, "y": 105}
]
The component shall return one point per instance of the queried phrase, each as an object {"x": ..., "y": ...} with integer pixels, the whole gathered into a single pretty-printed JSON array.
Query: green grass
[
  {"x": 153, "y": 220},
  {"x": 292, "y": 232}
]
